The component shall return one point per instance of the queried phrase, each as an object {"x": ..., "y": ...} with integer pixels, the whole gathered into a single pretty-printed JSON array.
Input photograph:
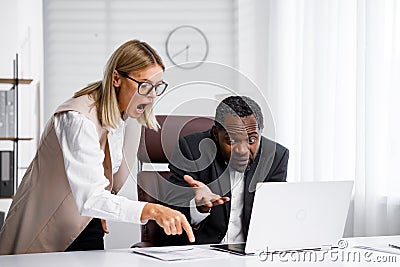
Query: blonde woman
[{"x": 69, "y": 188}]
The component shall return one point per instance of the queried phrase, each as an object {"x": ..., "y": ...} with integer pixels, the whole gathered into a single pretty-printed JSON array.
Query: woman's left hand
[{"x": 104, "y": 225}]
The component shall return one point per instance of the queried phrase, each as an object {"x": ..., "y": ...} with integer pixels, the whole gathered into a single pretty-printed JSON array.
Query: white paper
[{"x": 176, "y": 253}]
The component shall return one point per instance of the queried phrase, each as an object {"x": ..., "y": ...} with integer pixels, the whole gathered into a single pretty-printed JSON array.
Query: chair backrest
[
  {"x": 156, "y": 147},
  {"x": 2, "y": 216}
]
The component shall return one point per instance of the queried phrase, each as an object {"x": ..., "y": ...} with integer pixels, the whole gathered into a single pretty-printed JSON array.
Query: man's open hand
[{"x": 205, "y": 199}]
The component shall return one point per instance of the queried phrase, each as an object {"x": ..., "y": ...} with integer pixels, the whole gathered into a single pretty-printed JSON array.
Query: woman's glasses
[{"x": 144, "y": 88}]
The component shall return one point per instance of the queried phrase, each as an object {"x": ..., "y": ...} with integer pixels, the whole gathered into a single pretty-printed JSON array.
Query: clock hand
[{"x": 181, "y": 51}]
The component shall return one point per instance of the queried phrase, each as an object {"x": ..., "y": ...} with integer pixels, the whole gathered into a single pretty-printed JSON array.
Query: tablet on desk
[{"x": 237, "y": 248}]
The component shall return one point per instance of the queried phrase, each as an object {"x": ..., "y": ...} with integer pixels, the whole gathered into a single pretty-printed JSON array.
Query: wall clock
[{"x": 187, "y": 47}]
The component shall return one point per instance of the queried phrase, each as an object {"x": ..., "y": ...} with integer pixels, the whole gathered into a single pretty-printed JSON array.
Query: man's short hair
[{"x": 241, "y": 106}]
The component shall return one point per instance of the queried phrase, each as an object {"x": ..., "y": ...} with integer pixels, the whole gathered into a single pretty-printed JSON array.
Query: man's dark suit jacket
[{"x": 199, "y": 156}]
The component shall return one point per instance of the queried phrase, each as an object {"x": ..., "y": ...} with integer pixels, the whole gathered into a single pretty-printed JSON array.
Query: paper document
[{"x": 175, "y": 253}]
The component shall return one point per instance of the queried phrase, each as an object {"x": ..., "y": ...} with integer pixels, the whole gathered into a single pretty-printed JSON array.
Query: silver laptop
[{"x": 295, "y": 216}]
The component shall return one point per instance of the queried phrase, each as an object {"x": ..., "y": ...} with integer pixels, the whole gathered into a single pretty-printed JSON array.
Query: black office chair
[{"x": 156, "y": 147}]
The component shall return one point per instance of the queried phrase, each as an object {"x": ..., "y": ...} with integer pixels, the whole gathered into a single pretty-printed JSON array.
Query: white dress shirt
[
  {"x": 234, "y": 234},
  {"x": 83, "y": 160}
]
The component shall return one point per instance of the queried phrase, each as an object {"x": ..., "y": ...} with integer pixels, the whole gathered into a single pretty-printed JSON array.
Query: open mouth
[{"x": 141, "y": 107}]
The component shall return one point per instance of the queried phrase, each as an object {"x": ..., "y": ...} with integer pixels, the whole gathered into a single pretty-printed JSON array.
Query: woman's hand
[
  {"x": 172, "y": 221},
  {"x": 104, "y": 225}
]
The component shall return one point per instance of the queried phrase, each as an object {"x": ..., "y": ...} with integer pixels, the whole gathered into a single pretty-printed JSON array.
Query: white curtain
[{"x": 333, "y": 84}]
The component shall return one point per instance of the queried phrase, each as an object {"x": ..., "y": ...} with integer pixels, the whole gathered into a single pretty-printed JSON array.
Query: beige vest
[{"x": 43, "y": 216}]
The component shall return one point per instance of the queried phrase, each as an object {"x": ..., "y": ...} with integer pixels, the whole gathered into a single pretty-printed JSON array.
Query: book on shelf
[
  {"x": 6, "y": 173},
  {"x": 7, "y": 113}
]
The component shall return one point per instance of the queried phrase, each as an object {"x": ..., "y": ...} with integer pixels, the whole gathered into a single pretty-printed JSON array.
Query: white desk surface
[{"x": 124, "y": 257}]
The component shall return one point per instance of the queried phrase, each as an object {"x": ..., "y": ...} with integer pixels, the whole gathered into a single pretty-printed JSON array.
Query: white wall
[
  {"x": 80, "y": 37},
  {"x": 8, "y": 15}
]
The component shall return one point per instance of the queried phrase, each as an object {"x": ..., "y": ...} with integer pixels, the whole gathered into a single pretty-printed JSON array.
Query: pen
[{"x": 394, "y": 246}]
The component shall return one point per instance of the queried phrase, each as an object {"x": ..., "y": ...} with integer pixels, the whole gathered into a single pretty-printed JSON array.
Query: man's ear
[
  {"x": 116, "y": 79},
  {"x": 260, "y": 129},
  {"x": 215, "y": 133}
]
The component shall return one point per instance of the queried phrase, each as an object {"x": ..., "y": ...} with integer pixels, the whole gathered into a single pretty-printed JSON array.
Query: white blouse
[{"x": 83, "y": 160}]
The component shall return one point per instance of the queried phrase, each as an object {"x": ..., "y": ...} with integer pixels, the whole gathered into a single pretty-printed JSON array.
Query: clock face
[{"x": 187, "y": 47}]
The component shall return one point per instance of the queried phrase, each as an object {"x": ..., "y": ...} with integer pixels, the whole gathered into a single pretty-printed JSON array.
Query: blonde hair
[{"x": 132, "y": 56}]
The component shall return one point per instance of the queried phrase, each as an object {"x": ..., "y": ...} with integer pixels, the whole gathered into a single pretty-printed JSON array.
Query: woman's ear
[{"x": 116, "y": 79}]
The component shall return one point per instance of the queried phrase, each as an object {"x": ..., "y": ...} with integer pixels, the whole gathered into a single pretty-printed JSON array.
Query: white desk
[{"x": 124, "y": 257}]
